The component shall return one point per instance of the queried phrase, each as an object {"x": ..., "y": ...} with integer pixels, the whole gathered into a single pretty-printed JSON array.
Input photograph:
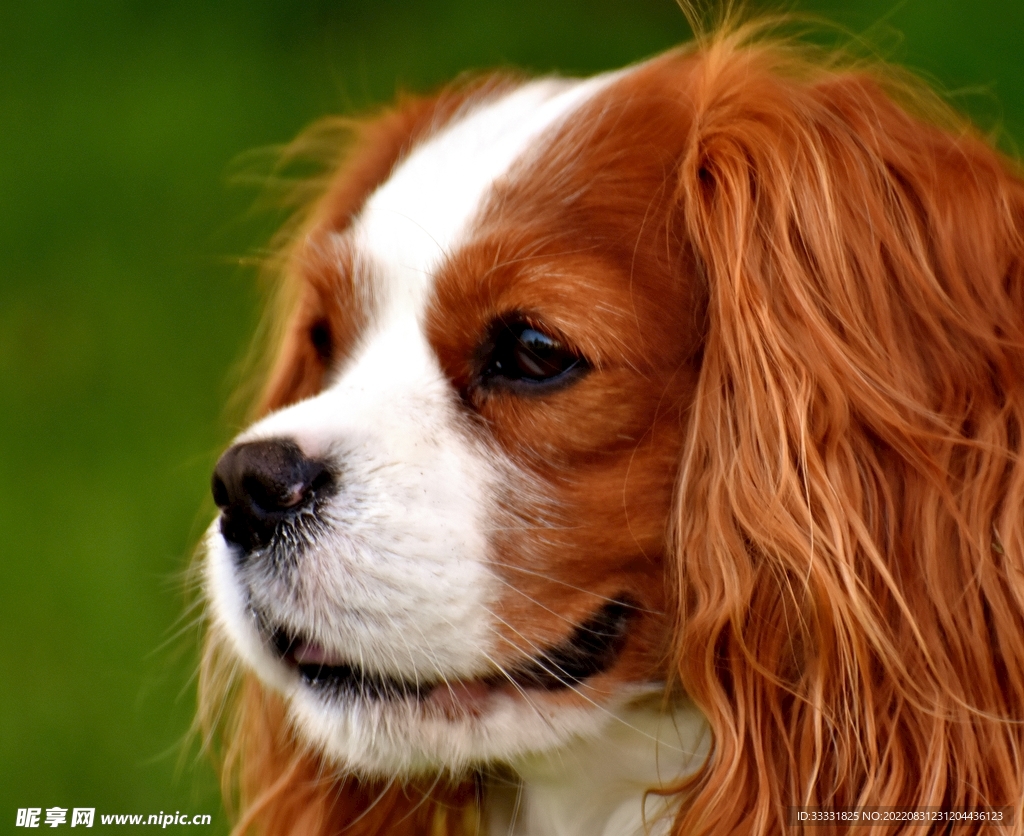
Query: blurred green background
[{"x": 124, "y": 308}]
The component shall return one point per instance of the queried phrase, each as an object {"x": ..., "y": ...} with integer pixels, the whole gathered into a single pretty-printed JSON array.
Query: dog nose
[{"x": 258, "y": 485}]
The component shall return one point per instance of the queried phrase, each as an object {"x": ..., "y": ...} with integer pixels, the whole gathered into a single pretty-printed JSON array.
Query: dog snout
[{"x": 260, "y": 485}]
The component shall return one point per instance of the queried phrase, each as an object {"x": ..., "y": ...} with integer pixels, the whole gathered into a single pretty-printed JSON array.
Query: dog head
[
  {"x": 451, "y": 551},
  {"x": 703, "y": 373}
]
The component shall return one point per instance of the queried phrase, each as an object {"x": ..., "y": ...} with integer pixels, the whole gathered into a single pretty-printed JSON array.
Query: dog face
[
  {"x": 704, "y": 376},
  {"x": 451, "y": 552}
]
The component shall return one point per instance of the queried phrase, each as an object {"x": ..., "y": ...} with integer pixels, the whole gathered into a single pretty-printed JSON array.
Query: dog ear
[{"x": 848, "y": 539}]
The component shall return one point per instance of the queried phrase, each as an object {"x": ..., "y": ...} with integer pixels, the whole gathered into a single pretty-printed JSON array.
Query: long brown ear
[{"x": 849, "y": 535}]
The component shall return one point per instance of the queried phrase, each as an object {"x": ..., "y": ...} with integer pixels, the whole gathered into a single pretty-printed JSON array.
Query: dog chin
[
  {"x": 382, "y": 725},
  {"x": 467, "y": 731}
]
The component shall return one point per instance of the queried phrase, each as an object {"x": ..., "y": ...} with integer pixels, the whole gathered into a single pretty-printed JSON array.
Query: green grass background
[{"x": 123, "y": 308}]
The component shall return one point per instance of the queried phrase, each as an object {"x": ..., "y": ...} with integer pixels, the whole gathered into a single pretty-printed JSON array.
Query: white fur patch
[
  {"x": 398, "y": 579},
  {"x": 415, "y": 219},
  {"x": 599, "y": 786}
]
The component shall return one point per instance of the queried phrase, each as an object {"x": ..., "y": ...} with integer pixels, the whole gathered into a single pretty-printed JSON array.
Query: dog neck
[{"x": 600, "y": 786}]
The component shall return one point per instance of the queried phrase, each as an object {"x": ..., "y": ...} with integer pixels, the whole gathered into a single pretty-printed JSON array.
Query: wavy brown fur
[
  {"x": 849, "y": 543},
  {"x": 851, "y": 507}
]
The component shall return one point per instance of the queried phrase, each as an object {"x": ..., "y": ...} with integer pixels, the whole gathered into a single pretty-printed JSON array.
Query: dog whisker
[{"x": 548, "y": 578}]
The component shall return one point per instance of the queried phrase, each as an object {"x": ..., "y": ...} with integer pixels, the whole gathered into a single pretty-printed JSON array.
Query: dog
[{"x": 642, "y": 453}]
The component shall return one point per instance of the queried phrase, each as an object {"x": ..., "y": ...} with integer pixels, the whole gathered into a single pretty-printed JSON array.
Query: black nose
[{"x": 260, "y": 484}]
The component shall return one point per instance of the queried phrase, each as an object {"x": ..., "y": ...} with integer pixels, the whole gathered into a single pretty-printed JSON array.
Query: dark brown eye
[
  {"x": 320, "y": 337},
  {"x": 524, "y": 358}
]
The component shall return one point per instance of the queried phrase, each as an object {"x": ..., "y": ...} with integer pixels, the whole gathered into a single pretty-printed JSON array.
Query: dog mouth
[{"x": 590, "y": 649}]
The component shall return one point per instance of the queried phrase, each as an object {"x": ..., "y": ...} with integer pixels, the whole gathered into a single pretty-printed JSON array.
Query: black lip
[
  {"x": 347, "y": 679},
  {"x": 590, "y": 649}
]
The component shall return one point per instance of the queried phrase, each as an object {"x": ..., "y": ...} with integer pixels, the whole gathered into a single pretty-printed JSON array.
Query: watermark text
[{"x": 87, "y": 817}]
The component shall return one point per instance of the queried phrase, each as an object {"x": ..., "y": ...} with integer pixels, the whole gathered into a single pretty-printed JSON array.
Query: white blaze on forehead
[{"x": 414, "y": 220}]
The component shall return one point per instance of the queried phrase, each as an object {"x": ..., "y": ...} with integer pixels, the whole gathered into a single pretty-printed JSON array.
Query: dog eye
[
  {"x": 521, "y": 357},
  {"x": 320, "y": 337}
]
